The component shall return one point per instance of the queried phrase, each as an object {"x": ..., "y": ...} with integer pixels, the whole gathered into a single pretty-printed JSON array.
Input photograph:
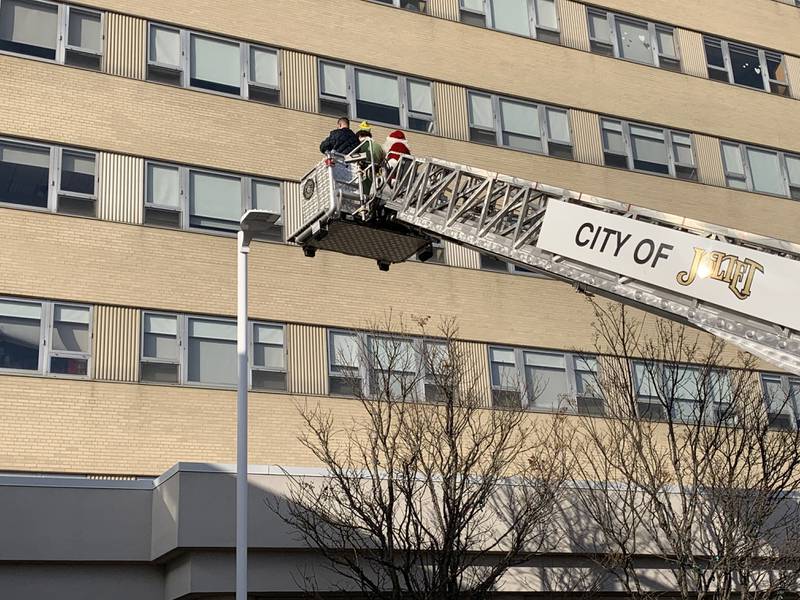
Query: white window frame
[
  {"x": 183, "y": 69},
  {"x": 62, "y": 35},
  {"x": 397, "y": 4},
  {"x": 544, "y": 126},
  {"x": 184, "y": 200},
  {"x": 46, "y": 352},
  {"x": 660, "y": 60},
  {"x": 54, "y": 175},
  {"x": 792, "y": 402},
  {"x": 672, "y": 163},
  {"x": 538, "y": 31},
  {"x": 182, "y": 323},
  {"x": 251, "y": 350},
  {"x": 351, "y": 100},
  {"x": 364, "y": 341},
  {"x": 570, "y": 361},
  {"x": 769, "y": 85},
  {"x": 791, "y": 191}
]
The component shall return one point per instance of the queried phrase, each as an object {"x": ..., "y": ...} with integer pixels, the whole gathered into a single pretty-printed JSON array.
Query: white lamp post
[{"x": 253, "y": 222}]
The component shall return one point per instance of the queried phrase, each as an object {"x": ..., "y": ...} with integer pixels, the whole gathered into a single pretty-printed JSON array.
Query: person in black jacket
[{"x": 342, "y": 139}]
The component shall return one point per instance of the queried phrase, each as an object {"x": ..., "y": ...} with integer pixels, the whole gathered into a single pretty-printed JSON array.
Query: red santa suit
[{"x": 395, "y": 145}]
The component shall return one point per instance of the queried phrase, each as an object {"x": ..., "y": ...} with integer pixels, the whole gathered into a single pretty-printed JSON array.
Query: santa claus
[{"x": 395, "y": 145}]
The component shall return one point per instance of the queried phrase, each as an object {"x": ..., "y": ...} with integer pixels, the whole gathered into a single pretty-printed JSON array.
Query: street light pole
[{"x": 242, "y": 250}]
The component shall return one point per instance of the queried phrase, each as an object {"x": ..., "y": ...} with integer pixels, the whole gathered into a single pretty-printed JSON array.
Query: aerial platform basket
[{"x": 335, "y": 217}]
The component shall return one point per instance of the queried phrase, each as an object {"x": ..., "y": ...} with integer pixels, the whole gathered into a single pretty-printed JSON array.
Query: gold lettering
[
  {"x": 687, "y": 277},
  {"x": 728, "y": 268}
]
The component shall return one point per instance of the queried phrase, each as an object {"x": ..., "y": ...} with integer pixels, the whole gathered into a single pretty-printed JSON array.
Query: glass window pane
[
  {"x": 163, "y": 185},
  {"x": 746, "y": 67},
  {"x": 511, "y": 16},
  {"x": 776, "y": 398},
  {"x": 545, "y": 359},
  {"x": 793, "y": 169},
  {"x": 77, "y": 173},
  {"x": 84, "y": 30},
  {"x": 19, "y": 335},
  {"x": 634, "y": 41},
  {"x": 612, "y": 138},
  {"x": 267, "y": 196},
  {"x": 598, "y": 27},
  {"x": 645, "y": 386},
  {"x": 264, "y": 66},
  {"x": 732, "y": 158},
  {"x": 268, "y": 334},
  {"x": 24, "y": 175},
  {"x": 334, "y": 81},
  {"x": 476, "y": 5},
  {"x": 394, "y": 354},
  {"x": 268, "y": 357},
  {"x": 29, "y": 27},
  {"x": 70, "y": 329},
  {"x": 162, "y": 324},
  {"x": 377, "y": 88},
  {"x": 766, "y": 171},
  {"x": 419, "y": 97},
  {"x": 215, "y": 200},
  {"x": 480, "y": 111},
  {"x": 215, "y": 64},
  {"x": 211, "y": 329},
  {"x": 714, "y": 53},
  {"x": 666, "y": 42},
  {"x": 648, "y": 145},
  {"x": 520, "y": 118},
  {"x": 558, "y": 124},
  {"x": 682, "y": 148},
  {"x": 546, "y": 386},
  {"x": 546, "y": 14},
  {"x": 161, "y": 347},
  {"x": 344, "y": 350},
  {"x": 212, "y": 361},
  {"x": 776, "y": 67},
  {"x": 165, "y": 46},
  {"x": 501, "y": 355}
]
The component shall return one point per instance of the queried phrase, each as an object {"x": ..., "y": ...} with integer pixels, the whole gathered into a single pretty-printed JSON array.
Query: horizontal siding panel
[
  {"x": 574, "y": 24},
  {"x": 121, "y": 188},
  {"x": 300, "y": 83},
  {"x": 692, "y": 52},
  {"x": 115, "y": 343},
  {"x": 709, "y": 160},
  {"x": 444, "y": 9},
  {"x": 308, "y": 359},
  {"x": 451, "y": 111},
  {"x": 125, "y": 46},
  {"x": 459, "y": 256},
  {"x": 586, "y": 137}
]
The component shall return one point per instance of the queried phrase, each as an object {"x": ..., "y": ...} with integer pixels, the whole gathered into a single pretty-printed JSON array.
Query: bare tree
[
  {"x": 689, "y": 465},
  {"x": 427, "y": 494}
]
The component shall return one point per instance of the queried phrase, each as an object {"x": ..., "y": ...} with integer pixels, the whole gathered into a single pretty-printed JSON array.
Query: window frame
[
  {"x": 222, "y": 39},
  {"x": 526, "y": 403},
  {"x": 538, "y": 31},
  {"x": 364, "y": 340},
  {"x": 660, "y": 60},
  {"x": 46, "y": 351},
  {"x": 672, "y": 165},
  {"x": 182, "y": 362},
  {"x": 351, "y": 98},
  {"x": 251, "y": 346},
  {"x": 54, "y": 170},
  {"x": 544, "y": 125},
  {"x": 184, "y": 199},
  {"x": 761, "y": 53},
  {"x": 396, "y": 4},
  {"x": 62, "y": 45},
  {"x": 792, "y": 402},
  {"x": 742, "y": 148},
  {"x": 248, "y": 82}
]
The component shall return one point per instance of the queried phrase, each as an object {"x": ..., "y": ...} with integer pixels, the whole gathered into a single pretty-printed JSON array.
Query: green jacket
[{"x": 373, "y": 150}]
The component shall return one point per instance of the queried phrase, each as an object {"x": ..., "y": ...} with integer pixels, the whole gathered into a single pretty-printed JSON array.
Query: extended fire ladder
[{"x": 502, "y": 216}]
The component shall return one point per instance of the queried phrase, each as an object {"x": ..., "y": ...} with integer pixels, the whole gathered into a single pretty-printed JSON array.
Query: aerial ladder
[{"x": 739, "y": 286}]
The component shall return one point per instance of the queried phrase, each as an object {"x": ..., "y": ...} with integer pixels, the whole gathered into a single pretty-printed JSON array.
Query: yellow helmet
[{"x": 364, "y": 126}]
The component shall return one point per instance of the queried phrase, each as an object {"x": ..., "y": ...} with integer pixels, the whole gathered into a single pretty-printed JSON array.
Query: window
[
  {"x": 26, "y": 172},
  {"x": 781, "y": 397},
  {"x": 530, "y": 18},
  {"x": 685, "y": 393},
  {"x": 415, "y": 5},
  {"x": 386, "y": 366},
  {"x": 45, "y": 337},
  {"x": 761, "y": 170},
  {"x": 56, "y": 32},
  {"x": 183, "y": 197},
  {"x": 491, "y": 263},
  {"x": 186, "y": 349},
  {"x": 519, "y": 125},
  {"x": 647, "y": 148},
  {"x": 746, "y": 65},
  {"x": 375, "y": 96},
  {"x": 544, "y": 380},
  {"x": 185, "y": 58},
  {"x": 633, "y": 39}
]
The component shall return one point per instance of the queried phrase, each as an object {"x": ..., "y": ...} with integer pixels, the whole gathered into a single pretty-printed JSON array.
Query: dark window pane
[
  {"x": 420, "y": 124},
  {"x": 163, "y": 75},
  {"x": 76, "y": 206},
  {"x": 714, "y": 54},
  {"x": 79, "y": 59},
  {"x": 490, "y": 263},
  {"x": 269, "y": 380},
  {"x": 159, "y": 373},
  {"x": 418, "y": 5},
  {"x": 546, "y": 35},
  {"x": 68, "y": 366},
  {"x": 746, "y": 68},
  {"x": 29, "y": 28},
  {"x": 654, "y": 167},
  {"x": 483, "y": 136},
  {"x": 162, "y": 218},
  {"x": 77, "y": 173},
  {"x": 506, "y": 399},
  {"x": 334, "y": 108},
  {"x": 24, "y": 175},
  {"x": 344, "y": 386},
  {"x": 19, "y": 343},
  {"x": 601, "y": 48},
  {"x": 266, "y": 95},
  {"x": 560, "y": 150},
  {"x": 718, "y": 75},
  {"x": 214, "y": 86},
  {"x": 471, "y": 18},
  {"x": 615, "y": 160},
  {"x": 371, "y": 111}
]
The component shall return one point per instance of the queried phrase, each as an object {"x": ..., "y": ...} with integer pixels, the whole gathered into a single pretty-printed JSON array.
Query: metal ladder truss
[{"x": 501, "y": 216}]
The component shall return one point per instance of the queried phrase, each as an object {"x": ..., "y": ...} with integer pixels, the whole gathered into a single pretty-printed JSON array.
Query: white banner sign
[{"x": 747, "y": 281}]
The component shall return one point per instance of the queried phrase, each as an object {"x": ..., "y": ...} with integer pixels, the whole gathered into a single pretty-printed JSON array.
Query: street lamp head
[{"x": 257, "y": 221}]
